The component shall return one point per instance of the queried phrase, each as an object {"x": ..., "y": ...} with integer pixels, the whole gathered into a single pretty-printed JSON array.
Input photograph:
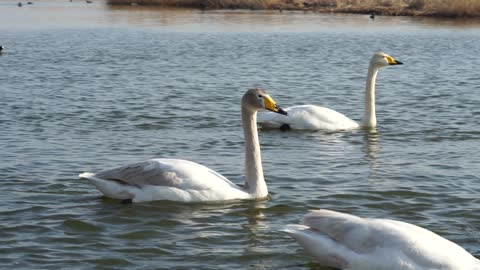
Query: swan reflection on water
[{"x": 371, "y": 138}]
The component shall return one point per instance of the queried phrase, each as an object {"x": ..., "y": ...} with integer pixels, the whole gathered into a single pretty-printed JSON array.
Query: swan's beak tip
[
  {"x": 399, "y": 63},
  {"x": 282, "y": 111}
]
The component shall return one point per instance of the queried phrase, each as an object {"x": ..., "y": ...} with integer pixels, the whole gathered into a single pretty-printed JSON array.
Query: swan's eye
[{"x": 260, "y": 96}]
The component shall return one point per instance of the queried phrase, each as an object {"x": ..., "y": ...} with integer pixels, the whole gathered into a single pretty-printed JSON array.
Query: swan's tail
[{"x": 110, "y": 188}]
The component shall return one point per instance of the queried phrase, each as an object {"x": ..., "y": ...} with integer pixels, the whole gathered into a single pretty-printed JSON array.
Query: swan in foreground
[
  {"x": 350, "y": 242},
  {"x": 186, "y": 181},
  {"x": 311, "y": 117}
]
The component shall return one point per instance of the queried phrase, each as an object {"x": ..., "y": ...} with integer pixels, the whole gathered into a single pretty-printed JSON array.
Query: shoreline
[{"x": 426, "y": 8}]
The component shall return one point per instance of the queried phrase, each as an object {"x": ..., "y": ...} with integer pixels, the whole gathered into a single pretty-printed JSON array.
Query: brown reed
[{"x": 440, "y": 8}]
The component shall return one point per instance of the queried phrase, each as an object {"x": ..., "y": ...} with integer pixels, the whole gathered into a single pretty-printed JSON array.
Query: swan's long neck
[
  {"x": 254, "y": 181},
  {"x": 369, "y": 116}
]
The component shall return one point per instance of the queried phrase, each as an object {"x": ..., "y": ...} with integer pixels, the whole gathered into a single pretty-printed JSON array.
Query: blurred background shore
[{"x": 439, "y": 8}]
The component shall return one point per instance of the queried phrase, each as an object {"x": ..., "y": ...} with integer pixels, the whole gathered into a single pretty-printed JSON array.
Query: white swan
[
  {"x": 186, "y": 181},
  {"x": 311, "y": 117},
  {"x": 350, "y": 242}
]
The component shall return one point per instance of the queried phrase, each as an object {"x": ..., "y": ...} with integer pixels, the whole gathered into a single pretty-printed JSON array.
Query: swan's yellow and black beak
[
  {"x": 392, "y": 61},
  {"x": 272, "y": 106}
]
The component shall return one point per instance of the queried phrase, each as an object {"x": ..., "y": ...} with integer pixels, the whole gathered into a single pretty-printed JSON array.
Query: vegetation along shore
[{"x": 439, "y": 8}]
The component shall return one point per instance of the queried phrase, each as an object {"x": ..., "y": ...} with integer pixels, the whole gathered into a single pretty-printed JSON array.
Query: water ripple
[{"x": 90, "y": 98}]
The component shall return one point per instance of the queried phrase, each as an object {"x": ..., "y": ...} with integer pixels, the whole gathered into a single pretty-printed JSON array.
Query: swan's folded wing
[
  {"x": 177, "y": 173},
  {"x": 354, "y": 233},
  {"x": 139, "y": 174}
]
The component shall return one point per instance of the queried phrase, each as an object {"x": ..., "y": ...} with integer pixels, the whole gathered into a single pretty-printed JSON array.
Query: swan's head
[
  {"x": 258, "y": 99},
  {"x": 381, "y": 59}
]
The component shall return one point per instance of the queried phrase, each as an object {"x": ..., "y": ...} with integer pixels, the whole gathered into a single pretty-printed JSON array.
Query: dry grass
[
  {"x": 446, "y": 8},
  {"x": 214, "y": 4},
  {"x": 456, "y": 8}
]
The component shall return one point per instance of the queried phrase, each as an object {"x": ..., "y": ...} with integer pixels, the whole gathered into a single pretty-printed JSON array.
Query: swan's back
[
  {"x": 347, "y": 241},
  {"x": 308, "y": 117}
]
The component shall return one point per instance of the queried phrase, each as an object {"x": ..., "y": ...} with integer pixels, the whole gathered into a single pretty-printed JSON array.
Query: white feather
[
  {"x": 308, "y": 117},
  {"x": 165, "y": 179},
  {"x": 350, "y": 242}
]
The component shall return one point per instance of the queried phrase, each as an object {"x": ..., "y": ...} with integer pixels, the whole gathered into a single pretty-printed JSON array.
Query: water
[{"x": 85, "y": 87}]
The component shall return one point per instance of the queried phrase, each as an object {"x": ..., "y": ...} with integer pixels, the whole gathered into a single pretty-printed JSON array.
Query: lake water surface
[{"x": 85, "y": 87}]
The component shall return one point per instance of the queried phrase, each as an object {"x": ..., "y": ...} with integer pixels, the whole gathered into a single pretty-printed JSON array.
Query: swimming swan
[
  {"x": 350, "y": 242},
  {"x": 311, "y": 117},
  {"x": 186, "y": 181}
]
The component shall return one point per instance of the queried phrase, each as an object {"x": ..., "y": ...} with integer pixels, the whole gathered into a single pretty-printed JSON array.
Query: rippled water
[{"x": 85, "y": 87}]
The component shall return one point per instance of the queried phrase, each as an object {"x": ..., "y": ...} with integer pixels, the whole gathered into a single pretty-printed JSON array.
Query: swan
[
  {"x": 311, "y": 117},
  {"x": 185, "y": 181},
  {"x": 350, "y": 242}
]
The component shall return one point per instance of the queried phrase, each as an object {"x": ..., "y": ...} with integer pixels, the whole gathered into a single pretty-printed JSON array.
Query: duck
[
  {"x": 351, "y": 242},
  {"x": 312, "y": 117},
  {"x": 182, "y": 180},
  {"x": 1, "y": 49}
]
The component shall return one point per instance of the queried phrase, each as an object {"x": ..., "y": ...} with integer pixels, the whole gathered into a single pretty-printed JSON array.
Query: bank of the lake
[{"x": 435, "y": 8}]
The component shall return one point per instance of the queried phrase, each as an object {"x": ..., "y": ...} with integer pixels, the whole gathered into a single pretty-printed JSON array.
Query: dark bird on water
[
  {"x": 19, "y": 4},
  {"x": 372, "y": 16},
  {"x": 1, "y": 48}
]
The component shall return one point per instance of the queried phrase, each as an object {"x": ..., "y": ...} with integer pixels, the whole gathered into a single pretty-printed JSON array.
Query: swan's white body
[
  {"x": 166, "y": 179},
  {"x": 186, "y": 181},
  {"x": 308, "y": 117},
  {"x": 350, "y": 242},
  {"x": 311, "y": 117}
]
